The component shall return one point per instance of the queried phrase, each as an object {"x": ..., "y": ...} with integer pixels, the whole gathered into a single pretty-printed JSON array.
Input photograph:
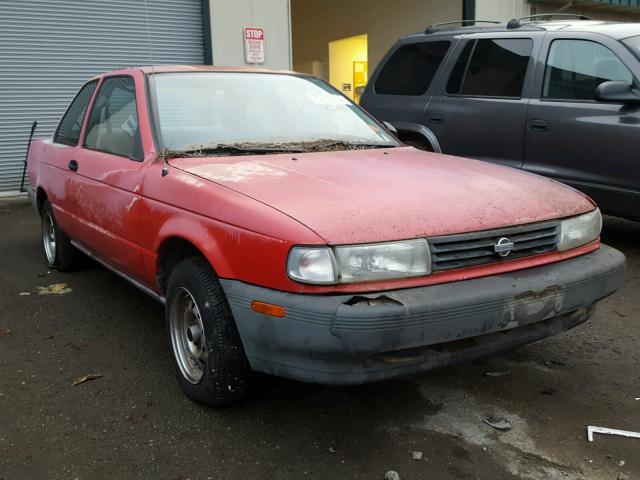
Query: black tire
[
  {"x": 63, "y": 256},
  {"x": 226, "y": 376}
]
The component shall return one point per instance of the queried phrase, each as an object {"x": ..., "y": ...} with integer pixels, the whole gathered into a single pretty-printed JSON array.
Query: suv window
[
  {"x": 496, "y": 68},
  {"x": 113, "y": 123},
  {"x": 457, "y": 75},
  {"x": 411, "y": 68},
  {"x": 68, "y": 131},
  {"x": 576, "y": 67}
]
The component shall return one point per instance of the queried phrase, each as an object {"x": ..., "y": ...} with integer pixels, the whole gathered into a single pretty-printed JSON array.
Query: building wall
[
  {"x": 342, "y": 54},
  {"x": 229, "y": 17},
  {"x": 501, "y": 10},
  {"x": 317, "y": 22},
  {"x": 596, "y": 12}
]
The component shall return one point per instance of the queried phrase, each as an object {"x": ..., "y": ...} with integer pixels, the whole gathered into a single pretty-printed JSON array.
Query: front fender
[{"x": 200, "y": 234}]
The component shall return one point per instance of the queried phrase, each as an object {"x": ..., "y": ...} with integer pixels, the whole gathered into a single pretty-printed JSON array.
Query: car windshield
[{"x": 240, "y": 113}]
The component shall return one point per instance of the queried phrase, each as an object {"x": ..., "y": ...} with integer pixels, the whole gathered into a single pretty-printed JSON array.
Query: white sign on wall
[{"x": 254, "y": 45}]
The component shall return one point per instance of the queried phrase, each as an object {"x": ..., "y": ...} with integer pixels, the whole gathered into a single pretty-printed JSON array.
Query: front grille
[{"x": 479, "y": 248}]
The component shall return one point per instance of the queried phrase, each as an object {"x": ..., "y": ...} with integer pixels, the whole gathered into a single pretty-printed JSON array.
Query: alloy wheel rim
[
  {"x": 49, "y": 238},
  {"x": 187, "y": 336}
]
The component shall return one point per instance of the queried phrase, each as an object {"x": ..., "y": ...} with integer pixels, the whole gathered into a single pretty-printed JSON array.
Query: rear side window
[
  {"x": 411, "y": 68},
  {"x": 576, "y": 67},
  {"x": 496, "y": 68},
  {"x": 113, "y": 123},
  {"x": 68, "y": 131}
]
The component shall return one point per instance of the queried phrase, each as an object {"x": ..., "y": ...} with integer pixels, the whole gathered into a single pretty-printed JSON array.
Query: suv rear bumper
[{"x": 345, "y": 339}]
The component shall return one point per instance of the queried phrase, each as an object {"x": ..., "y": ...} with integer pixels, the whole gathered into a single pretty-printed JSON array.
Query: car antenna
[
  {"x": 163, "y": 156},
  {"x": 26, "y": 155}
]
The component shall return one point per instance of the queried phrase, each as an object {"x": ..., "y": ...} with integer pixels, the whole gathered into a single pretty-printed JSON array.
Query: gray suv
[{"x": 559, "y": 98}]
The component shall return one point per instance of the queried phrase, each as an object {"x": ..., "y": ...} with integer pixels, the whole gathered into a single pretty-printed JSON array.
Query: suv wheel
[{"x": 208, "y": 354}]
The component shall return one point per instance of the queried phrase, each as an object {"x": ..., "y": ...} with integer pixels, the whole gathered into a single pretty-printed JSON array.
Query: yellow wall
[
  {"x": 342, "y": 54},
  {"x": 315, "y": 23}
]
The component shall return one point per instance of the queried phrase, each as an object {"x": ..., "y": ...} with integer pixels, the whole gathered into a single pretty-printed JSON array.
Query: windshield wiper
[
  {"x": 253, "y": 149},
  {"x": 342, "y": 145},
  {"x": 229, "y": 149}
]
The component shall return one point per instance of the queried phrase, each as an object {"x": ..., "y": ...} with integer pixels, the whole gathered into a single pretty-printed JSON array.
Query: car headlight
[
  {"x": 360, "y": 263},
  {"x": 312, "y": 265},
  {"x": 580, "y": 230}
]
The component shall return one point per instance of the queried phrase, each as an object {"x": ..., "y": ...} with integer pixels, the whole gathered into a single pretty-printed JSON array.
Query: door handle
[
  {"x": 538, "y": 125},
  {"x": 436, "y": 118},
  {"x": 73, "y": 165}
]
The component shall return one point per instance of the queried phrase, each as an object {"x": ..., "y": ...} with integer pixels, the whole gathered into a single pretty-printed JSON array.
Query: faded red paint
[
  {"x": 364, "y": 196},
  {"x": 245, "y": 213}
]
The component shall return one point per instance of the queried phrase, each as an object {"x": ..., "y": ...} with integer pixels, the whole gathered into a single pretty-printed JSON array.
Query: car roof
[
  {"x": 616, "y": 30},
  {"x": 149, "y": 69},
  {"x": 207, "y": 68}
]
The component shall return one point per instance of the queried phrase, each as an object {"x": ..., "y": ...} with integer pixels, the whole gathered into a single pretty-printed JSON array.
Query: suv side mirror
[
  {"x": 391, "y": 129},
  {"x": 618, "y": 92}
]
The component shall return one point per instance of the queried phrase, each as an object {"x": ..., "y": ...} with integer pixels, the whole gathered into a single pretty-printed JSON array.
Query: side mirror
[
  {"x": 391, "y": 129},
  {"x": 617, "y": 92}
]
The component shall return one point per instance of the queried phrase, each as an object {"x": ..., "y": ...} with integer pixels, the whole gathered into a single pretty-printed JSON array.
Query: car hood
[{"x": 361, "y": 196}]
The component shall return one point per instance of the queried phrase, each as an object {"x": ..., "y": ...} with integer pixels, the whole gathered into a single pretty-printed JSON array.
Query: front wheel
[{"x": 208, "y": 353}]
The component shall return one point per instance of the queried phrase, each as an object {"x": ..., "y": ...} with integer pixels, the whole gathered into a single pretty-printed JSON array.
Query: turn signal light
[{"x": 268, "y": 309}]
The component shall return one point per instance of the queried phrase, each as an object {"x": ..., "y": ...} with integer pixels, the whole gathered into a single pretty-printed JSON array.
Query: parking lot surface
[{"x": 134, "y": 422}]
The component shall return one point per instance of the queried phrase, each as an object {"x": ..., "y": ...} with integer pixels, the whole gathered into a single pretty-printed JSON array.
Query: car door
[
  {"x": 107, "y": 177},
  {"x": 572, "y": 137},
  {"x": 61, "y": 151},
  {"x": 480, "y": 107}
]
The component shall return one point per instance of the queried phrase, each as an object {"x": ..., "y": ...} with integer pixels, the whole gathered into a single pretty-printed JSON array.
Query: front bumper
[{"x": 359, "y": 338}]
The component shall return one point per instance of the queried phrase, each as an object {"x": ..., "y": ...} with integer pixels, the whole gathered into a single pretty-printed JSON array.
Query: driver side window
[
  {"x": 113, "y": 123},
  {"x": 576, "y": 67}
]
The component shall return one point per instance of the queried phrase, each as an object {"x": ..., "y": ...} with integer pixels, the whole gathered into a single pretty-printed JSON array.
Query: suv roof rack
[
  {"x": 517, "y": 22},
  {"x": 434, "y": 28}
]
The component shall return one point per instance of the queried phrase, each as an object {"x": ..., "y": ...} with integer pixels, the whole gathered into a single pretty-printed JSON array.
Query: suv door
[
  {"x": 402, "y": 84},
  {"x": 572, "y": 137},
  {"x": 480, "y": 106},
  {"x": 108, "y": 176}
]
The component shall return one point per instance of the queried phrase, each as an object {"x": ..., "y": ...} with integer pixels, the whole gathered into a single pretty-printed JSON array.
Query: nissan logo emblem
[{"x": 503, "y": 247}]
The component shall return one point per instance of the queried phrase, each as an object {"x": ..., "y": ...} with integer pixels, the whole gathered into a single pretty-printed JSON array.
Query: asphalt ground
[{"x": 134, "y": 422}]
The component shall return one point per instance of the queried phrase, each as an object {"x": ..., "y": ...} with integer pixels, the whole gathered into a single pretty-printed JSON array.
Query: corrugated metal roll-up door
[{"x": 48, "y": 49}]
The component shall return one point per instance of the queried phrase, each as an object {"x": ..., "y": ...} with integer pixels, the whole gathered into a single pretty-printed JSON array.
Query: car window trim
[
  {"x": 576, "y": 100},
  {"x": 466, "y": 69},
  {"x": 152, "y": 112},
  {"x": 135, "y": 98},
  {"x": 84, "y": 117}
]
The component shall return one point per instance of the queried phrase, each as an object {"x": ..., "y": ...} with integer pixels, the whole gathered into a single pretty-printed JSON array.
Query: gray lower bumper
[{"x": 347, "y": 339}]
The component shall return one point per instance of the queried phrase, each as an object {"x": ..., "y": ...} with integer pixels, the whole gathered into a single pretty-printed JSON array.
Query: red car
[{"x": 288, "y": 232}]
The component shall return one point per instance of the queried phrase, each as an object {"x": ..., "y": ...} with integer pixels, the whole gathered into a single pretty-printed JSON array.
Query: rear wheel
[
  {"x": 59, "y": 254},
  {"x": 208, "y": 353}
]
